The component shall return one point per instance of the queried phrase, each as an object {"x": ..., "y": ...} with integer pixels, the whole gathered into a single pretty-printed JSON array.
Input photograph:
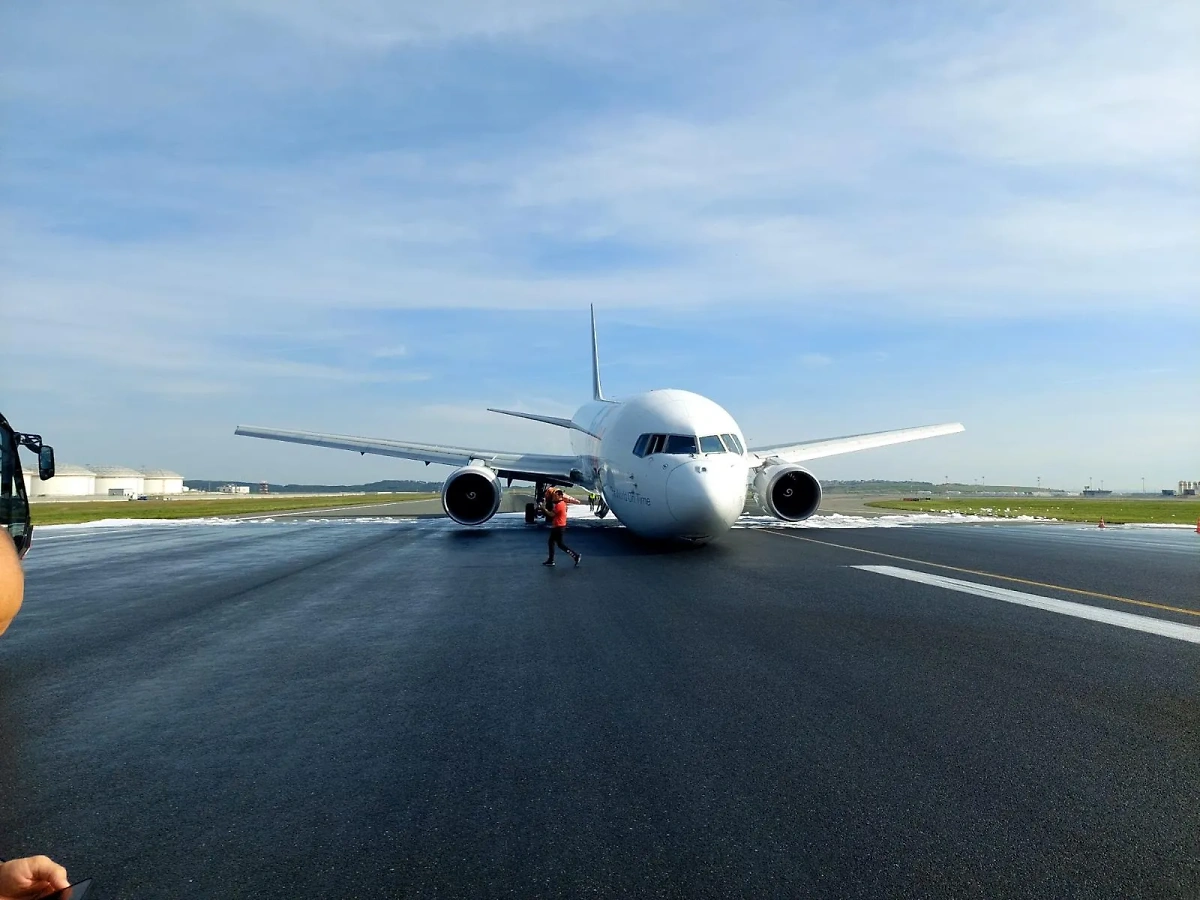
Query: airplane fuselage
[{"x": 654, "y": 460}]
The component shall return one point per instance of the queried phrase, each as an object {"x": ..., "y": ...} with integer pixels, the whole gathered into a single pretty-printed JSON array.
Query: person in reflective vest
[{"x": 555, "y": 506}]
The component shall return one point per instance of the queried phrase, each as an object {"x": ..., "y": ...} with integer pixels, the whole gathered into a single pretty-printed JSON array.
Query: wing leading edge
[
  {"x": 801, "y": 452},
  {"x": 522, "y": 466}
]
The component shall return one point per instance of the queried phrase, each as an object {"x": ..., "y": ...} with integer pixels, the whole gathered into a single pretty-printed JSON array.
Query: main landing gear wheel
[{"x": 531, "y": 509}]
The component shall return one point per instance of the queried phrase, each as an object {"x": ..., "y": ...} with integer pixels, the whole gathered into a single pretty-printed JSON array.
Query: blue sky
[{"x": 380, "y": 218}]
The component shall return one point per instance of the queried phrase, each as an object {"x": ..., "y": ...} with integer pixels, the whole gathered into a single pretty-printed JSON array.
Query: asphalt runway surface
[{"x": 382, "y": 708}]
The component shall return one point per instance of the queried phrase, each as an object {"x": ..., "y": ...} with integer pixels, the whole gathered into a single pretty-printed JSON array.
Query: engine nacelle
[
  {"x": 787, "y": 492},
  {"x": 471, "y": 495}
]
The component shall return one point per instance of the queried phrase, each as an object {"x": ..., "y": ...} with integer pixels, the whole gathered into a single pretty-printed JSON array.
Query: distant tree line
[{"x": 877, "y": 486}]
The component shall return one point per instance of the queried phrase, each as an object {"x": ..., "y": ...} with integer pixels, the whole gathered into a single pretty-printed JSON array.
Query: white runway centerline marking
[{"x": 1189, "y": 633}]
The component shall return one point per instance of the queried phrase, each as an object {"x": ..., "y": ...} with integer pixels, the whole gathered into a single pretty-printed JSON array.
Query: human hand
[
  {"x": 12, "y": 581},
  {"x": 31, "y": 877}
]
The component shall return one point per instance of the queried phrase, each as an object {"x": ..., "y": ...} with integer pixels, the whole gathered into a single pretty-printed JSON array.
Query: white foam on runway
[
  {"x": 100, "y": 524},
  {"x": 581, "y": 514}
]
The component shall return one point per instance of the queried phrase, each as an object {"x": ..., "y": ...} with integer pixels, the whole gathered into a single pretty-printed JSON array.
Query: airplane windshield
[
  {"x": 734, "y": 445},
  {"x": 681, "y": 443}
]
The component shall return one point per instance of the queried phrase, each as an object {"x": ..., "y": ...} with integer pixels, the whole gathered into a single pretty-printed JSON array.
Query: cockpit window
[
  {"x": 732, "y": 442},
  {"x": 681, "y": 443}
]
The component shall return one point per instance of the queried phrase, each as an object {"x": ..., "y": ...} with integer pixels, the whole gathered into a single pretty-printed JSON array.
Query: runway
[{"x": 373, "y": 707}]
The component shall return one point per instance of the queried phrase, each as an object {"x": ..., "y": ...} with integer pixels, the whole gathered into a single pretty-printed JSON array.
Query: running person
[{"x": 556, "y": 513}]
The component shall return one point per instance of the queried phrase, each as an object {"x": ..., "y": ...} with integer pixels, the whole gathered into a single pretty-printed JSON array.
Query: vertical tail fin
[{"x": 597, "y": 394}]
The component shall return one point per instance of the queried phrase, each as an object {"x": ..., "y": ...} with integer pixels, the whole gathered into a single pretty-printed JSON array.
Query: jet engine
[
  {"x": 471, "y": 495},
  {"x": 787, "y": 492}
]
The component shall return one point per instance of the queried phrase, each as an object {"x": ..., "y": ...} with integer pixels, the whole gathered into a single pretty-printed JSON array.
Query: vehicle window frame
[
  {"x": 15, "y": 514},
  {"x": 711, "y": 437}
]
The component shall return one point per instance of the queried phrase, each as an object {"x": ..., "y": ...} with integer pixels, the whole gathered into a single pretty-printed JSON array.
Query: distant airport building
[
  {"x": 68, "y": 481},
  {"x": 234, "y": 489},
  {"x": 115, "y": 481},
  {"x": 160, "y": 482},
  {"x": 1188, "y": 488},
  {"x": 88, "y": 482}
]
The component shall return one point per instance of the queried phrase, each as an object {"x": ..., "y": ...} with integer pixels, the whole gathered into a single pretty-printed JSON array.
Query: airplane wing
[
  {"x": 519, "y": 466},
  {"x": 795, "y": 453}
]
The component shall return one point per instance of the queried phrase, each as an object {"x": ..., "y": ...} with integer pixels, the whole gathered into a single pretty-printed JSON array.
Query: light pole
[{"x": 1143, "y": 484}]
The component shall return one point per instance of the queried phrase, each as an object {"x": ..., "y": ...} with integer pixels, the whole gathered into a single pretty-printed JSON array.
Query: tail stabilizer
[{"x": 597, "y": 393}]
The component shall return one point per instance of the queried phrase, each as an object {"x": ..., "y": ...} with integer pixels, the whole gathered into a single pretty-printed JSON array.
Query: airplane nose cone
[{"x": 705, "y": 500}]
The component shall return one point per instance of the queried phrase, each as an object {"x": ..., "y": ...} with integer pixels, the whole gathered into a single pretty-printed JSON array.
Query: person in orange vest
[{"x": 556, "y": 514}]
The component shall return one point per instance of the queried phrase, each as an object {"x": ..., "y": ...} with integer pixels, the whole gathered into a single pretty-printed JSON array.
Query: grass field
[
  {"x": 1067, "y": 509},
  {"x": 88, "y": 511}
]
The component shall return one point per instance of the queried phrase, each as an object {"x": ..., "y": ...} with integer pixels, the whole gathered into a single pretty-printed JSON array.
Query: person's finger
[{"x": 43, "y": 868}]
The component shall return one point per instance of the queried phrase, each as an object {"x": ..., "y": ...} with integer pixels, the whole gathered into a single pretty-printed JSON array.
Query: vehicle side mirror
[{"x": 46, "y": 463}]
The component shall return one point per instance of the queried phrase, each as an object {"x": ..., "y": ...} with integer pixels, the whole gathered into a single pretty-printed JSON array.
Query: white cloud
[
  {"x": 1095, "y": 84},
  {"x": 397, "y": 351},
  {"x": 382, "y": 24}
]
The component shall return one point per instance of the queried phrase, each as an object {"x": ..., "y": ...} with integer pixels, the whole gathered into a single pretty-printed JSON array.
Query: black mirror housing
[{"x": 46, "y": 463}]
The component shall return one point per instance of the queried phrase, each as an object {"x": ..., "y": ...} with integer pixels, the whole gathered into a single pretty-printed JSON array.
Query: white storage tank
[
  {"x": 68, "y": 481},
  {"x": 113, "y": 478},
  {"x": 158, "y": 482}
]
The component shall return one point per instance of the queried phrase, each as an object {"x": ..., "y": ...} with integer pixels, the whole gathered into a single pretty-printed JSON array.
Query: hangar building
[
  {"x": 161, "y": 481},
  {"x": 68, "y": 481},
  {"x": 114, "y": 478},
  {"x": 91, "y": 481}
]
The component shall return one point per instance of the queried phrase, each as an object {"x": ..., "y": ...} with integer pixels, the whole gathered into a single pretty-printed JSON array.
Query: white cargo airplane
[{"x": 668, "y": 463}]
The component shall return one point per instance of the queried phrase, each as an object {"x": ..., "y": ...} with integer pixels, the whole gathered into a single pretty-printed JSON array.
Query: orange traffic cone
[{"x": 1102, "y": 525}]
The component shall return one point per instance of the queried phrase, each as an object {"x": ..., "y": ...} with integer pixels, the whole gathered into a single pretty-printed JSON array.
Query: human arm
[
  {"x": 31, "y": 877},
  {"x": 12, "y": 581}
]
